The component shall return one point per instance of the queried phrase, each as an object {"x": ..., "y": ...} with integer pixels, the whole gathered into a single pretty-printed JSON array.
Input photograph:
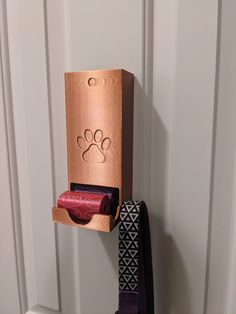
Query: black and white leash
[{"x": 135, "y": 260}]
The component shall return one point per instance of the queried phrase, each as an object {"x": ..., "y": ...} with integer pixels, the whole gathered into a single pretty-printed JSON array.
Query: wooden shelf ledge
[{"x": 104, "y": 223}]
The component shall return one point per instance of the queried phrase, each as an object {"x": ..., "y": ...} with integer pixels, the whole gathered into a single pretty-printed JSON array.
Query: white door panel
[
  {"x": 26, "y": 39},
  {"x": 172, "y": 47},
  {"x": 9, "y": 288}
]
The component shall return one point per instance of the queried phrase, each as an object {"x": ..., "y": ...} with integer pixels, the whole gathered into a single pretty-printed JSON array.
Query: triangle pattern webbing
[{"x": 128, "y": 246}]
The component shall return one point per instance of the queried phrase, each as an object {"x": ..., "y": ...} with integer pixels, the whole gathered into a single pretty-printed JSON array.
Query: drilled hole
[{"x": 92, "y": 81}]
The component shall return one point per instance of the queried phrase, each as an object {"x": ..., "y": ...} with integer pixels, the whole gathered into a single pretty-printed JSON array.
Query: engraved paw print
[{"x": 94, "y": 146}]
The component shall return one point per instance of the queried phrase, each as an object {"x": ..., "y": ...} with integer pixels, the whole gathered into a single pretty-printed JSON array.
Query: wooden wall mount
[{"x": 99, "y": 115}]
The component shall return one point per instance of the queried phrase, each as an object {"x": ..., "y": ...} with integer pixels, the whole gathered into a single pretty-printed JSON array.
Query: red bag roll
[{"x": 84, "y": 205}]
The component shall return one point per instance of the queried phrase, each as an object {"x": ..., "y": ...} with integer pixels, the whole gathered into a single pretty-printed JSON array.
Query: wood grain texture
[
  {"x": 99, "y": 115},
  {"x": 98, "y": 222}
]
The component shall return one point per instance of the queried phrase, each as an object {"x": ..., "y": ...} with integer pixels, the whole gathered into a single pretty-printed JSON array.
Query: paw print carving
[{"x": 93, "y": 146}]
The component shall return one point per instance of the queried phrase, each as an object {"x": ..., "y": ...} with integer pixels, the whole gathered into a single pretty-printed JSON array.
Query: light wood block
[{"x": 99, "y": 114}]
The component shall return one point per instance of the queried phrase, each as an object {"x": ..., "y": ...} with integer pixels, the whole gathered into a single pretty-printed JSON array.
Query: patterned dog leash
[{"x": 135, "y": 260}]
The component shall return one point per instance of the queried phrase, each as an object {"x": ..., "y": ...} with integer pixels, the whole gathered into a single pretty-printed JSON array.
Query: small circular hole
[{"x": 92, "y": 81}]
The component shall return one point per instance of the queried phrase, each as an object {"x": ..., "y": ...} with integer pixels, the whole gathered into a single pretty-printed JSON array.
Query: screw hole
[{"x": 92, "y": 81}]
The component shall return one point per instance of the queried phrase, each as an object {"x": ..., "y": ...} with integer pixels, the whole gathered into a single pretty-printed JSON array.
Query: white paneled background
[{"x": 183, "y": 55}]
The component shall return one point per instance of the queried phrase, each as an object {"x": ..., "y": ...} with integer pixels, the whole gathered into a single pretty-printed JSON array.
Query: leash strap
[{"x": 135, "y": 260}]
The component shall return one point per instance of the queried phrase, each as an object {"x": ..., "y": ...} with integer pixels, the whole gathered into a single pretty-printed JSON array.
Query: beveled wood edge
[
  {"x": 99, "y": 222},
  {"x": 99, "y": 70}
]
